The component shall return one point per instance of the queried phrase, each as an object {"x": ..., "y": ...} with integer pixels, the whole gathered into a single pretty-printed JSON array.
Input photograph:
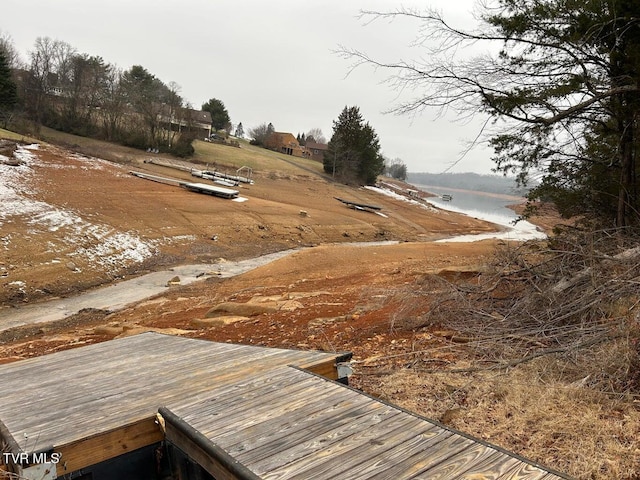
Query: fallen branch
[{"x": 528, "y": 358}]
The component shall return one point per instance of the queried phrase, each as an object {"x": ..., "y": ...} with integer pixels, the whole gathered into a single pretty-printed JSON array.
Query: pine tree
[
  {"x": 353, "y": 153},
  {"x": 219, "y": 115}
]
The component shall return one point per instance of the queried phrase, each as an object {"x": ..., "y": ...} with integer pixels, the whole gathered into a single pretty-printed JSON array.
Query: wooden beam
[
  {"x": 209, "y": 456},
  {"x": 326, "y": 368},
  {"x": 104, "y": 446}
]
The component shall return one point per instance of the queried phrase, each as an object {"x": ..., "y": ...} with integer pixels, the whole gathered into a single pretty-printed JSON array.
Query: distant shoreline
[{"x": 502, "y": 196}]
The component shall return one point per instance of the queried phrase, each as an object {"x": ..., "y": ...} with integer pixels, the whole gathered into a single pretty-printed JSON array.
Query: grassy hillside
[
  {"x": 15, "y": 136},
  {"x": 247, "y": 155},
  {"x": 212, "y": 154}
]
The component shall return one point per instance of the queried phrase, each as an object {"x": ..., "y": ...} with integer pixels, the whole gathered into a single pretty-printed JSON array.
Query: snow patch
[
  {"x": 97, "y": 244},
  {"x": 397, "y": 196},
  {"x": 521, "y": 231}
]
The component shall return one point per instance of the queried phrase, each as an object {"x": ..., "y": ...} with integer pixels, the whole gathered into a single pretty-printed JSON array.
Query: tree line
[
  {"x": 64, "y": 89},
  {"x": 85, "y": 95}
]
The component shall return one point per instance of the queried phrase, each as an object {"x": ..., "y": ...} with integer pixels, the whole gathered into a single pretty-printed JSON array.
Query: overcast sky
[{"x": 268, "y": 61}]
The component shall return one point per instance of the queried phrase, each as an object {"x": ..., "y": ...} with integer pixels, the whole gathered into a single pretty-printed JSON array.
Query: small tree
[
  {"x": 316, "y": 135},
  {"x": 259, "y": 134},
  {"x": 183, "y": 146},
  {"x": 219, "y": 115},
  {"x": 353, "y": 153},
  {"x": 396, "y": 168},
  {"x": 6, "y": 44}
]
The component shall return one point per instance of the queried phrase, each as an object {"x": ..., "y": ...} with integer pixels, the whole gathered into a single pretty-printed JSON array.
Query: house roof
[
  {"x": 316, "y": 146},
  {"x": 197, "y": 115},
  {"x": 282, "y": 136},
  {"x": 182, "y": 113}
]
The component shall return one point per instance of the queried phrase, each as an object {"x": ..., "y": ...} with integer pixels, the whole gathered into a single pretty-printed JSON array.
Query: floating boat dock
[
  {"x": 207, "y": 189},
  {"x": 359, "y": 206},
  {"x": 210, "y": 190},
  {"x": 213, "y": 175}
]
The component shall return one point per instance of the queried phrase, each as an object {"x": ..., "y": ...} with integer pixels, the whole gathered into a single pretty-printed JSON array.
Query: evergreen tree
[
  {"x": 353, "y": 153},
  {"x": 219, "y": 115},
  {"x": 8, "y": 91}
]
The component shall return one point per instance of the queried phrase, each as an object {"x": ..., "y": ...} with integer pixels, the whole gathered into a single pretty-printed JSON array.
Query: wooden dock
[
  {"x": 96, "y": 402},
  {"x": 241, "y": 412},
  {"x": 207, "y": 189},
  {"x": 296, "y": 425}
]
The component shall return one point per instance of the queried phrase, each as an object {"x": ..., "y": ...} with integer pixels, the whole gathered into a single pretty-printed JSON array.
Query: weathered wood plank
[
  {"x": 98, "y": 448},
  {"x": 316, "y": 454},
  {"x": 98, "y": 387},
  {"x": 208, "y": 458},
  {"x": 302, "y": 438},
  {"x": 327, "y": 369},
  {"x": 260, "y": 409},
  {"x": 448, "y": 459},
  {"x": 295, "y": 423}
]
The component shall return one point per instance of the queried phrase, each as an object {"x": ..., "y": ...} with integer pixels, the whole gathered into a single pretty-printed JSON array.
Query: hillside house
[
  {"x": 179, "y": 119},
  {"x": 285, "y": 143},
  {"x": 154, "y": 406},
  {"x": 316, "y": 150}
]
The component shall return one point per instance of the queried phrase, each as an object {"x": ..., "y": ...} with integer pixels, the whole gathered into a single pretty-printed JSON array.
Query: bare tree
[
  {"x": 50, "y": 68},
  {"x": 259, "y": 134},
  {"x": 87, "y": 86},
  {"x": 112, "y": 103},
  {"x": 561, "y": 88},
  {"x": 315, "y": 135}
]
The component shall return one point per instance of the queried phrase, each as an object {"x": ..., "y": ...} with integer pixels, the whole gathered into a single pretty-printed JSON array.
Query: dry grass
[
  {"x": 550, "y": 373},
  {"x": 257, "y": 158},
  {"x": 568, "y": 427},
  {"x": 15, "y": 136}
]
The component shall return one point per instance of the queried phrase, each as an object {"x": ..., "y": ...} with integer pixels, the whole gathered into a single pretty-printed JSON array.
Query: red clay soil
[
  {"x": 329, "y": 295},
  {"x": 332, "y": 296}
]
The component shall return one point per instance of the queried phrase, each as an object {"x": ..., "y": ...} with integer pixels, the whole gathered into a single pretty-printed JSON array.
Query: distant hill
[{"x": 469, "y": 181}]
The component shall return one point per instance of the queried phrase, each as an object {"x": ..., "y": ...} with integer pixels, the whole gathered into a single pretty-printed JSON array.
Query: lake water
[{"x": 484, "y": 206}]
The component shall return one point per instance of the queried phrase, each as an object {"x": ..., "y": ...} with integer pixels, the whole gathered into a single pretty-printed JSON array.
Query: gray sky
[{"x": 268, "y": 61}]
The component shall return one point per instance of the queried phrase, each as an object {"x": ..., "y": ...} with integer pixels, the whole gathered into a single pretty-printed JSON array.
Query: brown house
[
  {"x": 316, "y": 150},
  {"x": 285, "y": 143},
  {"x": 180, "y": 119}
]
